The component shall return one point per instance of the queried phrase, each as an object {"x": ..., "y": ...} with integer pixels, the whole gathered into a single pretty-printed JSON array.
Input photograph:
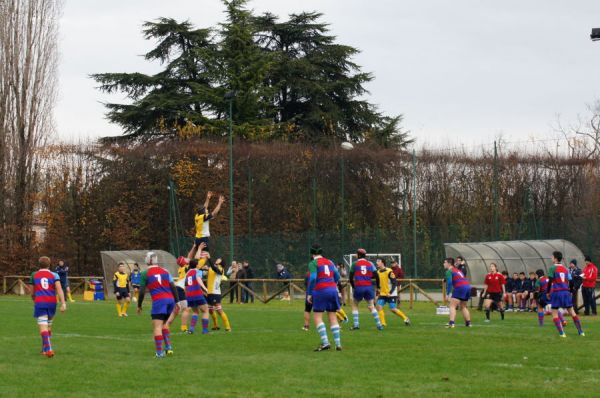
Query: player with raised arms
[
  {"x": 388, "y": 292},
  {"x": 45, "y": 286},
  {"x": 195, "y": 291},
  {"x": 461, "y": 292},
  {"x": 163, "y": 293},
  {"x": 494, "y": 291},
  {"x": 560, "y": 296},
  {"x": 323, "y": 294},
  {"x": 362, "y": 273},
  {"x": 202, "y": 219}
]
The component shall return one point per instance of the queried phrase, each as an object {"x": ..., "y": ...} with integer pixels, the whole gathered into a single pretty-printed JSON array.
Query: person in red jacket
[{"x": 590, "y": 274}]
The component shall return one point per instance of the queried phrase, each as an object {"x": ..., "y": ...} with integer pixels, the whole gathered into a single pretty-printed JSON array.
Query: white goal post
[{"x": 388, "y": 257}]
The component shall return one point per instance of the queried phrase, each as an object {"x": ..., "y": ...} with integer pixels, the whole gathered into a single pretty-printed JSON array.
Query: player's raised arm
[
  {"x": 209, "y": 195},
  {"x": 219, "y": 204}
]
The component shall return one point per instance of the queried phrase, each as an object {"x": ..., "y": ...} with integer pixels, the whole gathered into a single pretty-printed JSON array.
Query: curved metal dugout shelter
[
  {"x": 111, "y": 259},
  {"x": 511, "y": 256}
]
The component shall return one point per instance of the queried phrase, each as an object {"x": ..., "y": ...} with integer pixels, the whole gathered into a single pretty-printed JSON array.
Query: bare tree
[{"x": 28, "y": 73}]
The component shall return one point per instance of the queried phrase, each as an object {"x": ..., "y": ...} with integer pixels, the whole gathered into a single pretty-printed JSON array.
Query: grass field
[{"x": 268, "y": 355}]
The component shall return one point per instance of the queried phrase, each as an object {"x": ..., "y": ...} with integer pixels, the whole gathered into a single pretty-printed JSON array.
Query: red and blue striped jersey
[
  {"x": 192, "y": 287},
  {"x": 458, "y": 279},
  {"x": 560, "y": 276},
  {"x": 44, "y": 289},
  {"x": 542, "y": 284},
  {"x": 363, "y": 272},
  {"x": 325, "y": 274},
  {"x": 158, "y": 280}
]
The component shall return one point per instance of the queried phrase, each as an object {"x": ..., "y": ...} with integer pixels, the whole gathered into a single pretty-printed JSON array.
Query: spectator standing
[
  {"x": 575, "y": 283},
  {"x": 248, "y": 274},
  {"x": 590, "y": 274},
  {"x": 461, "y": 264},
  {"x": 231, "y": 273},
  {"x": 284, "y": 274},
  {"x": 62, "y": 269}
]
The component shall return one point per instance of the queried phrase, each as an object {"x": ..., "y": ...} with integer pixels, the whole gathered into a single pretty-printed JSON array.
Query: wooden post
[
  {"x": 411, "y": 293},
  {"x": 264, "y": 291},
  {"x": 4, "y": 285},
  {"x": 444, "y": 293},
  {"x": 239, "y": 292}
]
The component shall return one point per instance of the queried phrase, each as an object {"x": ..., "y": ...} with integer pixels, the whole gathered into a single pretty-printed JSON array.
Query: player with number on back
[
  {"x": 323, "y": 294},
  {"x": 45, "y": 287},
  {"x": 195, "y": 295},
  {"x": 163, "y": 293},
  {"x": 362, "y": 273},
  {"x": 560, "y": 296},
  {"x": 461, "y": 292}
]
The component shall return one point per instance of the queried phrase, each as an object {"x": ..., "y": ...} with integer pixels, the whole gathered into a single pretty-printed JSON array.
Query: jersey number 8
[{"x": 189, "y": 281}]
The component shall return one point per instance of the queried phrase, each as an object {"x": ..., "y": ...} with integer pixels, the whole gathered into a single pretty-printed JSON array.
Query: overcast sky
[{"x": 461, "y": 71}]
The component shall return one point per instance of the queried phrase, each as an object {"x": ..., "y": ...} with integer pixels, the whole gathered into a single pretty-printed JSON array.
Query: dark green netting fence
[{"x": 265, "y": 251}]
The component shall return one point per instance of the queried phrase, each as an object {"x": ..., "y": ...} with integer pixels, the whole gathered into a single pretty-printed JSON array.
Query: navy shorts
[
  {"x": 180, "y": 294},
  {"x": 366, "y": 293},
  {"x": 46, "y": 310},
  {"x": 214, "y": 299},
  {"x": 123, "y": 293},
  {"x": 197, "y": 241},
  {"x": 542, "y": 300},
  {"x": 561, "y": 299},
  {"x": 325, "y": 300},
  {"x": 162, "y": 309},
  {"x": 197, "y": 301},
  {"x": 462, "y": 293}
]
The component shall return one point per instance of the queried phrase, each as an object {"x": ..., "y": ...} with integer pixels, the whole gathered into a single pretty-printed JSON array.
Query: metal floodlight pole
[
  {"x": 229, "y": 97},
  {"x": 346, "y": 146},
  {"x": 414, "y": 164}
]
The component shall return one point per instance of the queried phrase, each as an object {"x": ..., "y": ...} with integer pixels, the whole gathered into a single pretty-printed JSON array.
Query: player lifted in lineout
[
  {"x": 202, "y": 220},
  {"x": 121, "y": 286},
  {"x": 560, "y": 296},
  {"x": 388, "y": 292},
  {"x": 45, "y": 286},
  {"x": 362, "y": 273},
  {"x": 323, "y": 294},
  {"x": 163, "y": 293}
]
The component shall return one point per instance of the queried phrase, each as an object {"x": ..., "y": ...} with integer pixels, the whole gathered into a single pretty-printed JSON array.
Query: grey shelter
[
  {"x": 511, "y": 256},
  {"x": 111, "y": 259}
]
